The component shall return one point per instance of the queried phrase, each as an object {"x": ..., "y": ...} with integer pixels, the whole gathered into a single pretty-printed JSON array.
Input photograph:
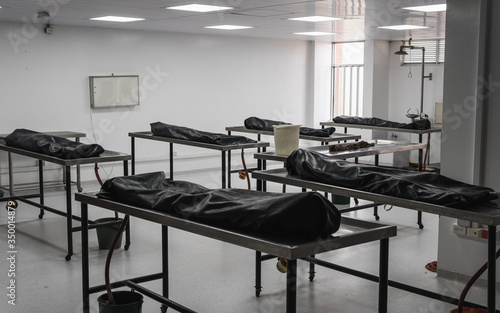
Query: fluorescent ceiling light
[
  {"x": 117, "y": 19},
  {"x": 315, "y": 18},
  {"x": 403, "y": 27},
  {"x": 228, "y": 27},
  {"x": 428, "y": 8},
  {"x": 199, "y": 8},
  {"x": 313, "y": 33}
]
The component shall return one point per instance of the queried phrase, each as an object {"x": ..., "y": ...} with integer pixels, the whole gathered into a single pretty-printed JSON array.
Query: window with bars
[
  {"x": 347, "y": 79},
  {"x": 434, "y": 52}
]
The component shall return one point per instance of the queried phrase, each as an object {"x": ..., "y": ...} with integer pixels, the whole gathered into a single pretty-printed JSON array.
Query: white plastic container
[{"x": 286, "y": 139}]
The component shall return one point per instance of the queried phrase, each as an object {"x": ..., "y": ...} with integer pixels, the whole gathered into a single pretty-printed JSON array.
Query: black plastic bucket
[
  {"x": 337, "y": 199},
  {"x": 126, "y": 302},
  {"x": 106, "y": 234}
]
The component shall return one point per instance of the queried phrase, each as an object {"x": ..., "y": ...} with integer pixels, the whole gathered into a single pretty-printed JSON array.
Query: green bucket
[
  {"x": 106, "y": 234},
  {"x": 126, "y": 302},
  {"x": 336, "y": 199}
]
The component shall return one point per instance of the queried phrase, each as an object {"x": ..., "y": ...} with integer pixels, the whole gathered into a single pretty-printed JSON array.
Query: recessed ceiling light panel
[
  {"x": 403, "y": 27},
  {"x": 428, "y": 8},
  {"x": 315, "y": 18},
  {"x": 121, "y": 19},
  {"x": 203, "y": 8},
  {"x": 228, "y": 27},
  {"x": 314, "y": 33}
]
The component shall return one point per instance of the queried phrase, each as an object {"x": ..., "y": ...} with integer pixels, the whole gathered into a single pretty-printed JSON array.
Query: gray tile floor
[{"x": 211, "y": 276}]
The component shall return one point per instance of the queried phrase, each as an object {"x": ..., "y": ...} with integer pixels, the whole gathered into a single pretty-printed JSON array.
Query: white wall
[
  {"x": 203, "y": 82},
  {"x": 321, "y": 105}
]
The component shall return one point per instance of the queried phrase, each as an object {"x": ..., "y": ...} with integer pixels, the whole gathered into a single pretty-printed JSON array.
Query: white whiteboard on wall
[{"x": 114, "y": 91}]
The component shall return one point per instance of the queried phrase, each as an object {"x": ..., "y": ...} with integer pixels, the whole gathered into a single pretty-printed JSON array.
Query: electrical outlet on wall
[
  {"x": 474, "y": 232},
  {"x": 459, "y": 230}
]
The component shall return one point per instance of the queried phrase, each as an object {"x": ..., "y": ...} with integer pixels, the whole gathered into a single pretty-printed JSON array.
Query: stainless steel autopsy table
[
  {"x": 352, "y": 232},
  {"x": 62, "y": 134},
  {"x": 486, "y": 214},
  {"x": 380, "y": 147},
  {"x": 105, "y": 157},
  {"x": 223, "y": 149},
  {"x": 335, "y": 137},
  {"x": 420, "y": 132}
]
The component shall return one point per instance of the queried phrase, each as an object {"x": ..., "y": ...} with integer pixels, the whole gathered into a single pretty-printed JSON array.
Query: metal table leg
[
  {"x": 40, "y": 185},
  {"x": 312, "y": 272},
  {"x": 491, "y": 268},
  {"x": 78, "y": 177},
  {"x": 419, "y": 220},
  {"x": 171, "y": 145},
  {"x": 291, "y": 286},
  {"x": 420, "y": 154},
  {"x": 375, "y": 213},
  {"x": 85, "y": 258},
  {"x": 223, "y": 157},
  {"x": 258, "y": 271},
  {"x": 11, "y": 175},
  {"x": 127, "y": 229},
  {"x": 383, "y": 275},
  {"x": 164, "y": 258},
  {"x": 132, "y": 148},
  {"x": 69, "y": 214},
  {"x": 420, "y": 168}
]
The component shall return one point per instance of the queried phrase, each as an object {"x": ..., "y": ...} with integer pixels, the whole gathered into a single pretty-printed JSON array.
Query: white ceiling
[{"x": 268, "y": 17}]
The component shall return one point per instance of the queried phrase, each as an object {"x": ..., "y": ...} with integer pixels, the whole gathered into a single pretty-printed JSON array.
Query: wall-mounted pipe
[{"x": 403, "y": 52}]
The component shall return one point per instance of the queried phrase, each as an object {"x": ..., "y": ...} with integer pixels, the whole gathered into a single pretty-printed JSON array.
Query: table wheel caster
[
  {"x": 311, "y": 276},
  {"x": 257, "y": 291}
]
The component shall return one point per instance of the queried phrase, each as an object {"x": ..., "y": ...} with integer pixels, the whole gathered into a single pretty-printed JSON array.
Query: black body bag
[
  {"x": 407, "y": 184},
  {"x": 51, "y": 145},
  {"x": 262, "y": 124},
  {"x": 300, "y": 216},
  {"x": 375, "y": 121},
  {"x": 185, "y": 133}
]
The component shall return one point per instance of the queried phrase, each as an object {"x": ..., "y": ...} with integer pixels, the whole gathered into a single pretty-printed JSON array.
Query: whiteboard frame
[{"x": 114, "y": 102}]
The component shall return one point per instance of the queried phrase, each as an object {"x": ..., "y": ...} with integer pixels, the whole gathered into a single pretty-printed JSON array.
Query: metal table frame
[
  {"x": 381, "y": 147},
  {"x": 486, "y": 214},
  {"x": 106, "y": 156},
  {"x": 352, "y": 232},
  {"x": 223, "y": 149},
  {"x": 419, "y": 132},
  {"x": 335, "y": 137},
  {"x": 62, "y": 134}
]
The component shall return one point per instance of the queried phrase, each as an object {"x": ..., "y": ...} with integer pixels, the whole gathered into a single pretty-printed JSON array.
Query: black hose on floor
[
  {"x": 108, "y": 259},
  {"x": 245, "y": 169},
  {"x": 96, "y": 171}
]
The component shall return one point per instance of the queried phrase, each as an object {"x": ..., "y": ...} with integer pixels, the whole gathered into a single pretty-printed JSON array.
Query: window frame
[{"x": 438, "y": 56}]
